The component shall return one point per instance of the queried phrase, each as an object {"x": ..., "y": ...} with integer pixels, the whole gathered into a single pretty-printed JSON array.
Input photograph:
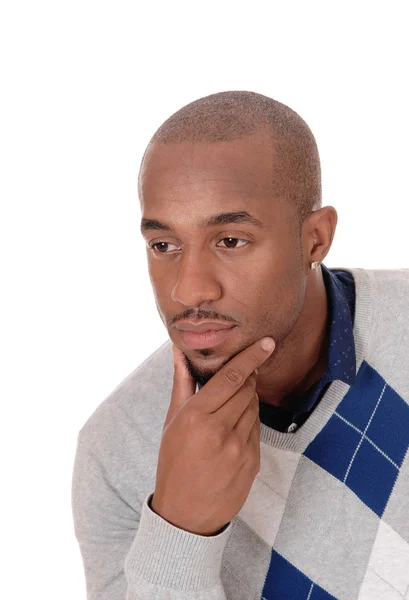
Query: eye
[
  {"x": 161, "y": 247},
  {"x": 233, "y": 240}
]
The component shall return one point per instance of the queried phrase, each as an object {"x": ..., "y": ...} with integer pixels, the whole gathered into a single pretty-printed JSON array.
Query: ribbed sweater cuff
[{"x": 165, "y": 555}]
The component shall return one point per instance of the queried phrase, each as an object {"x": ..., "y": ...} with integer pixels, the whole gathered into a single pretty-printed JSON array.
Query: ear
[{"x": 318, "y": 233}]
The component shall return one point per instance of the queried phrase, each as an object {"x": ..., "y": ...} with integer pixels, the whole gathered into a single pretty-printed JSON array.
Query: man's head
[{"x": 230, "y": 192}]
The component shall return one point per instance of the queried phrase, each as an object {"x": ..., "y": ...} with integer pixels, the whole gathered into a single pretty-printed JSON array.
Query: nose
[{"x": 196, "y": 282}]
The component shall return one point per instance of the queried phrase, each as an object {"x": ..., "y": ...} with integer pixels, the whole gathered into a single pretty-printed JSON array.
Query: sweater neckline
[{"x": 300, "y": 439}]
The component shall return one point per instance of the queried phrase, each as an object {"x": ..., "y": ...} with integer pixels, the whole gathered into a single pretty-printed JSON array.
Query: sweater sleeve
[
  {"x": 168, "y": 563},
  {"x": 133, "y": 554}
]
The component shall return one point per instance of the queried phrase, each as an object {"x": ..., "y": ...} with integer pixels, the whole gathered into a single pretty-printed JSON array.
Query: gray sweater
[{"x": 327, "y": 515}]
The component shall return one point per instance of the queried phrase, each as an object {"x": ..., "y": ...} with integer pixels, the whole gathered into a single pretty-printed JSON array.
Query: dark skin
[{"x": 255, "y": 276}]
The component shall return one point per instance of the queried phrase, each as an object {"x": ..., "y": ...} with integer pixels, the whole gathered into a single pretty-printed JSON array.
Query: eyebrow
[{"x": 220, "y": 219}]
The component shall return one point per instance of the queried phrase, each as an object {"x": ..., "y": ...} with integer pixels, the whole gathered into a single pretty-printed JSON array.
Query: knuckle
[
  {"x": 235, "y": 448},
  {"x": 233, "y": 377},
  {"x": 193, "y": 418}
]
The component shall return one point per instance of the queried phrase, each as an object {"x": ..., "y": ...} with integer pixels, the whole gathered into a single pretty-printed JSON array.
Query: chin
[
  {"x": 207, "y": 359},
  {"x": 215, "y": 358},
  {"x": 205, "y": 364}
]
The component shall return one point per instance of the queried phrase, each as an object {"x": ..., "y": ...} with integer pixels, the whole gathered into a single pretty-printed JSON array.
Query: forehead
[{"x": 242, "y": 166}]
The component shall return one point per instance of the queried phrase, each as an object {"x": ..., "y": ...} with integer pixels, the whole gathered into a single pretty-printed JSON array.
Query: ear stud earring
[{"x": 314, "y": 265}]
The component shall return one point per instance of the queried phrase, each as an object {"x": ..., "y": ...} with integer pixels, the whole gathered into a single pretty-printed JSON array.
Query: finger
[
  {"x": 183, "y": 384},
  {"x": 232, "y": 410},
  {"x": 253, "y": 442},
  {"x": 231, "y": 377},
  {"x": 247, "y": 420},
  {"x": 251, "y": 448},
  {"x": 254, "y": 437}
]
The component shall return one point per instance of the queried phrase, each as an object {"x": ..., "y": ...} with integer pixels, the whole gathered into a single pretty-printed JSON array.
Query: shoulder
[
  {"x": 381, "y": 328},
  {"x": 138, "y": 404},
  {"x": 389, "y": 289}
]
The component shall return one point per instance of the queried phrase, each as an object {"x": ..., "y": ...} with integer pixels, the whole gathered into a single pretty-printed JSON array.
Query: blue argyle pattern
[
  {"x": 366, "y": 439},
  {"x": 286, "y": 582},
  {"x": 363, "y": 445}
]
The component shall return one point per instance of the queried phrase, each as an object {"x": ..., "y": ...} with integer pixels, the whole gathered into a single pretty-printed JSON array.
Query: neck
[{"x": 303, "y": 355}]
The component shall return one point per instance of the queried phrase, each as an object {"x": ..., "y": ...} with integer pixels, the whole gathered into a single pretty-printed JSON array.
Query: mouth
[{"x": 205, "y": 339}]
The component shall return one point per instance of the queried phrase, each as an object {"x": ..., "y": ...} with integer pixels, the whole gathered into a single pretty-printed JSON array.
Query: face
[{"x": 220, "y": 247}]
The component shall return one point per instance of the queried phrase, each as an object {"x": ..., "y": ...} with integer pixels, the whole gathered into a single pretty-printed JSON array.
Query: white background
[{"x": 84, "y": 85}]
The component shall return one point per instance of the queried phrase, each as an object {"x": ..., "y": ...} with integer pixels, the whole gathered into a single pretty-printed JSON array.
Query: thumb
[{"x": 184, "y": 385}]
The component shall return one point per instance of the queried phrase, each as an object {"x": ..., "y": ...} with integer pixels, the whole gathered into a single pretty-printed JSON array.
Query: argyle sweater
[{"x": 327, "y": 515}]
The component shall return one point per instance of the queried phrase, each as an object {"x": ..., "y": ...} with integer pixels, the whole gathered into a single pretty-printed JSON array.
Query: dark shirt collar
[{"x": 342, "y": 358}]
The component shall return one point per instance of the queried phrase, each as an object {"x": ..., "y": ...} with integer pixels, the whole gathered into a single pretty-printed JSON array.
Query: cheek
[
  {"x": 159, "y": 288},
  {"x": 273, "y": 294},
  {"x": 158, "y": 275}
]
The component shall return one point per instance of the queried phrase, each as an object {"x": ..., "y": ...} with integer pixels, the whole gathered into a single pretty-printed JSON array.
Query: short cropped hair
[{"x": 230, "y": 115}]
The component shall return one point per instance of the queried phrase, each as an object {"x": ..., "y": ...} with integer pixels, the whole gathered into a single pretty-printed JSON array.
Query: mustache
[{"x": 197, "y": 315}]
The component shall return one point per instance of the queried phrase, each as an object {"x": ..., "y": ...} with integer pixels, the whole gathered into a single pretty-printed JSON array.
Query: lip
[
  {"x": 202, "y": 326},
  {"x": 205, "y": 339}
]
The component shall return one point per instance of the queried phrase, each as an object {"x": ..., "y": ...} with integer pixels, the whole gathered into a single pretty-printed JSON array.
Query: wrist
[{"x": 158, "y": 512}]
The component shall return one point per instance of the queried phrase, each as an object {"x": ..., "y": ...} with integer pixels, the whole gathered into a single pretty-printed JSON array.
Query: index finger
[{"x": 233, "y": 374}]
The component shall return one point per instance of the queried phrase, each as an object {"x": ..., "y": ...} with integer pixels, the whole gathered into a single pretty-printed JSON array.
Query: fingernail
[
  {"x": 267, "y": 344},
  {"x": 256, "y": 371}
]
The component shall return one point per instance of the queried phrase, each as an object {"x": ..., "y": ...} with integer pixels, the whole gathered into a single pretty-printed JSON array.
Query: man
[{"x": 262, "y": 451}]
